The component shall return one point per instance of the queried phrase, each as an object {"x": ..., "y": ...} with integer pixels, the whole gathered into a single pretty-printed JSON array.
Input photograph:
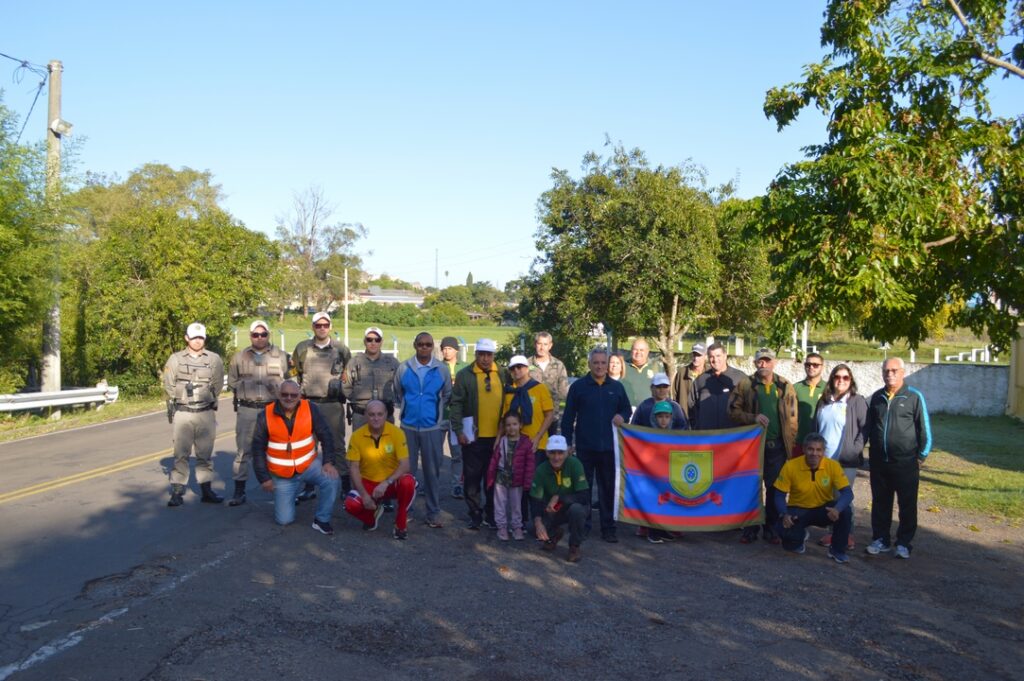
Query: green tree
[
  {"x": 27, "y": 235},
  {"x": 317, "y": 250},
  {"x": 627, "y": 244},
  {"x": 910, "y": 211},
  {"x": 151, "y": 255}
]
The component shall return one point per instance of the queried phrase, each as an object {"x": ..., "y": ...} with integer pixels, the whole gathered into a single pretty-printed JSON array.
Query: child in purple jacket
[{"x": 511, "y": 470}]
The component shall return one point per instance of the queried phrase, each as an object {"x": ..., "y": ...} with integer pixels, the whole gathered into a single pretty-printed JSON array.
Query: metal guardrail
[{"x": 101, "y": 394}]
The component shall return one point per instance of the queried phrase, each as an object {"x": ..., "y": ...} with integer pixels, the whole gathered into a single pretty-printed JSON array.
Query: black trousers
[
  {"x": 476, "y": 456},
  {"x": 599, "y": 468},
  {"x": 774, "y": 460},
  {"x": 573, "y": 515},
  {"x": 900, "y": 480}
]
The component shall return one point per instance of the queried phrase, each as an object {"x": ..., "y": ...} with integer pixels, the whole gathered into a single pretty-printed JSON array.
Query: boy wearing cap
[
  {"x": 320, "y": 365},
  {"x": 253, "y": 376},
  {"x": 192, "y": 380},
  {"x": 450, "y": 357},
  {"x": 769, "y": 400},
  {"x": 660, "y": 389},
  {"x": 560, "y": 496}
]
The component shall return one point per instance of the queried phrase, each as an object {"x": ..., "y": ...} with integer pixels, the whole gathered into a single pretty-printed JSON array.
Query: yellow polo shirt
[
  {"x": 378, "y": 459},
  {"x": 488, "y": 401},
  {"x": 805, "y": 492}
]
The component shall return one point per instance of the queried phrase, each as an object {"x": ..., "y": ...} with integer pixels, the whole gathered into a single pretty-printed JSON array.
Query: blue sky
[{"x": 436, "y": 125}]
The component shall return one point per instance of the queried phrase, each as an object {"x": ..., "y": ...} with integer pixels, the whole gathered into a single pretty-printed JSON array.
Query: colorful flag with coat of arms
[{"x": 692, "y": 480}]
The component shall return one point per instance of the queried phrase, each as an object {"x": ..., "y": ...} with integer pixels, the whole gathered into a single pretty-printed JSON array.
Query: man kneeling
[
  {"x": 559, "y": 496},
  {"x": 378, "y": 461},
  {"x": 812, "y": 482},
  {"x": 284, "y": 455}
]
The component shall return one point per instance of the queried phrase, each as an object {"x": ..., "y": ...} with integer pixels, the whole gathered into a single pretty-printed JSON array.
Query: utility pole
[
  {"x": 346, "y": 308},
  {"x": 55, "y": 127},
  {"x": 436, "y": 287}
]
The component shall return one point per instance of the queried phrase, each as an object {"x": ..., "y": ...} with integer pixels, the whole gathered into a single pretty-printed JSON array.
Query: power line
[{"x": 38, "y": 69}]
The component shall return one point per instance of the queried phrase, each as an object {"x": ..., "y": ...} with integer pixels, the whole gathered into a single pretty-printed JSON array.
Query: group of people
[{"x": 520, "y": 465}]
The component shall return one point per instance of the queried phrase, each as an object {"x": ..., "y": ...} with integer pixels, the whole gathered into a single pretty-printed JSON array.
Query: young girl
[{"x": 510, "y": 471}]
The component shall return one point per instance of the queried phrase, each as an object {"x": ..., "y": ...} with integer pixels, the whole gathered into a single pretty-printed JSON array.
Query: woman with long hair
[{"x": 842, "y": 417}]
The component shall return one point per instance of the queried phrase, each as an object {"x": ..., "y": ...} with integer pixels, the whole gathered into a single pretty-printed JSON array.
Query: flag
[{"x": 690, "y": 480}]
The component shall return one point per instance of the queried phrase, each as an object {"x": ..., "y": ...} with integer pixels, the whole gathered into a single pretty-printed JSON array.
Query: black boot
[
  {"x": 209, "y": 496},
  {"x": 239, "y": 497},
  {"x": 176, "y": 492}
]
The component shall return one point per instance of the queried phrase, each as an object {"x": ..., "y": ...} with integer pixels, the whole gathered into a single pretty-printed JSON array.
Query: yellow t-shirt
[
  {"x": 795, "y": 480},
  {"x": 540, "y": 398},
  {"x": 489, "y": 401},
  {"x": 378, "y": 459}
]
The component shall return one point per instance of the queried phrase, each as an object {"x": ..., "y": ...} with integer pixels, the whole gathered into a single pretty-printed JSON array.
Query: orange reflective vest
[{"x": 290, "y": 454}]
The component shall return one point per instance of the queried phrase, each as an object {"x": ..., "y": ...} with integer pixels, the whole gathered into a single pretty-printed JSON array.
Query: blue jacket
[
  {"x": 422, "y": 402},
  {"x": 644, "y": 415},
  {"x": 589, "y": 409}
]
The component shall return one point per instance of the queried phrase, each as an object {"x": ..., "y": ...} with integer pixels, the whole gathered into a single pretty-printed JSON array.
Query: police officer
[
  {"x": 371, "y": 377},
  {"x": 192, "y": 380},
  {"x": 320, "y": 365},
  {"x": 253, "y": 376}
]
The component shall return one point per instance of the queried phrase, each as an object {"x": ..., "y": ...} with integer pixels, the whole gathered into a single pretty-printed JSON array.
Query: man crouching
[{"x": 559, "y": 496}]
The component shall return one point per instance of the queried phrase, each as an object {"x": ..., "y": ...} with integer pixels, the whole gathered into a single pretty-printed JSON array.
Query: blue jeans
[{"x": 285, "y": 490}]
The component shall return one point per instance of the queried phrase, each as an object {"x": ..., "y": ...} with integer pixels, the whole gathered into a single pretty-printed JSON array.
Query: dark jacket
[
  {"x": 709, "y": 399},
  {"x": 644, "y": 415},
  {"x": 682, "y": 385},
  {"x": 744, "y": 407},
  {"x": 523, "y": 463},
  {"x": 589, "y": 409},
  {"x": 261, "y": 436},
  {"x": 899, "y": 429},
  {"x": 851, "y": 451}
]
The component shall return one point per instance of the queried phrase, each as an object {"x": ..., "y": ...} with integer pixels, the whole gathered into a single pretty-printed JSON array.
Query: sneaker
[
  {"x": 800, "y": 549},
  {"x": 490, "y": 524},
  {"x": 517, "y": 534},
  {"x": 902, "y": 552},
  {"x": 748, "y": 537},
  {"x": 876, "y": 547},
  {"x": 655, "y": 538},
  {"x": 850, "y": 544},
  {"x": 826, "y": 540},
  {"x": 323, "y": 527},
  {"x": 377, "y": 512},
  {"x": 838, "y": 556},
  {"x": 457, "y": 492},
  {"x": 474, "y": 524},
  {"x": 388, "y": 506},
  {"x": 435, "y": 523},
  {"x": 772, "y": 538},
  {"x": 401, "y": 535},
  {"x": 502, "y": 534}
]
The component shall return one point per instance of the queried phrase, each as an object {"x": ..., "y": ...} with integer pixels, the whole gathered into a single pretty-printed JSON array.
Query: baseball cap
[
  {"x": 486, "y": 345},
  {"x": 195, "y": 330},
  {"x": 518, "y": 360},
  {"x": 556, "y": 443},
  {"x": 764, "y": 353},
  {"x": 662, "y": 407},
  {"x": 699, "y": 349},
  {"x": 374, "y": 329},
  {"x": 257, "y": 324},
  {"x": 321, "y": 315},
  {"x": 450, "y": 342},
  {"x": 660, "y": 379}
]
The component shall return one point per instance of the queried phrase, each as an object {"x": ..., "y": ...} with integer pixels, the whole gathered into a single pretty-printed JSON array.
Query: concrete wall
[
  {"x": 969, "y": 389},
  {"x": 1015, "y": 396}
]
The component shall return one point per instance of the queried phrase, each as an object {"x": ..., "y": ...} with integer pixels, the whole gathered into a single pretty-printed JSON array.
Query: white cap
[
  {"x": 195, "y": 330},
  {"x": 257, "y": 324},
  {"x": 321, "y": 315},
  {"x": 486, "y": 345},
  {"x": 374, "y": 329},
  {"x": 557, "y": 443},
  {"x": 699, "y": 349},
  {"x": 518, "y": 360},
  {"x": 660, "y": 379}
]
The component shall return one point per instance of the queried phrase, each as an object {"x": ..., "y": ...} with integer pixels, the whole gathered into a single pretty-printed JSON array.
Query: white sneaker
[
  {"x": 878, "y": 546},
  {"x": 902, "y": 552}
]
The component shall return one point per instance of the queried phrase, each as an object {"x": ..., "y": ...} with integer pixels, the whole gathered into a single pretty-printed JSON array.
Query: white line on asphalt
[{"x": 71, "y": 640}]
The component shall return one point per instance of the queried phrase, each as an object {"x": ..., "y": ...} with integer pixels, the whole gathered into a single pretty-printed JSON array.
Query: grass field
[{"x": 977, "y": 464}]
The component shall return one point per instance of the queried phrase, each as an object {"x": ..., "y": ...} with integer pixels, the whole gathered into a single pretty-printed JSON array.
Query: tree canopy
[{"x": 910, "y": 212}]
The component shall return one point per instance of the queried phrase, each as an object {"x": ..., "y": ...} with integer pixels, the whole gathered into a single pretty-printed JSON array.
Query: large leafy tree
[
  {"x": 27, "y": 234},
  {"x": 909, "y": 214},
  {"x": 151, "y": 255},
  {"x": 627, "y": 244}
]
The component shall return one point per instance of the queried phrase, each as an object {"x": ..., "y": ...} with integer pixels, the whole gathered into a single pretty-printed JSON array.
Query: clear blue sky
[{"x": 436, "y": 125}]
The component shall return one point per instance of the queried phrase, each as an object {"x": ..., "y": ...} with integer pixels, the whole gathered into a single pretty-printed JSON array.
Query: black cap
[{"x": 450, "y": 342}]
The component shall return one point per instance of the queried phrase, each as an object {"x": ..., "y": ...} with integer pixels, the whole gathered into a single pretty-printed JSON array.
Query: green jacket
[{"x": 465, "y": 401}]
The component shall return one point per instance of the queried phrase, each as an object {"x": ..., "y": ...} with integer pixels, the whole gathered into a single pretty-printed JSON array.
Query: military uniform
[
  {"x": 320, "y": 372},
  {"x": 253, "y": 377},
  {"x": 371, "y": 379},
  {"x": 193, "y": 383}
]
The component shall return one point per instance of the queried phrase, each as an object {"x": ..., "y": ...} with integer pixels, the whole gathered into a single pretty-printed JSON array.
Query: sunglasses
[
  {"x": 423, "y": 345},
  {"x": 487, "y": 382},
  {"x": 840, "y": 377},
  {"x": 371, "y": 339},
  {"x": 812, "y": 364},
  {"x": 288, "y": 396},
  {"x": 322, "y": 326},
  {"x": 259, "y": 335}
]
